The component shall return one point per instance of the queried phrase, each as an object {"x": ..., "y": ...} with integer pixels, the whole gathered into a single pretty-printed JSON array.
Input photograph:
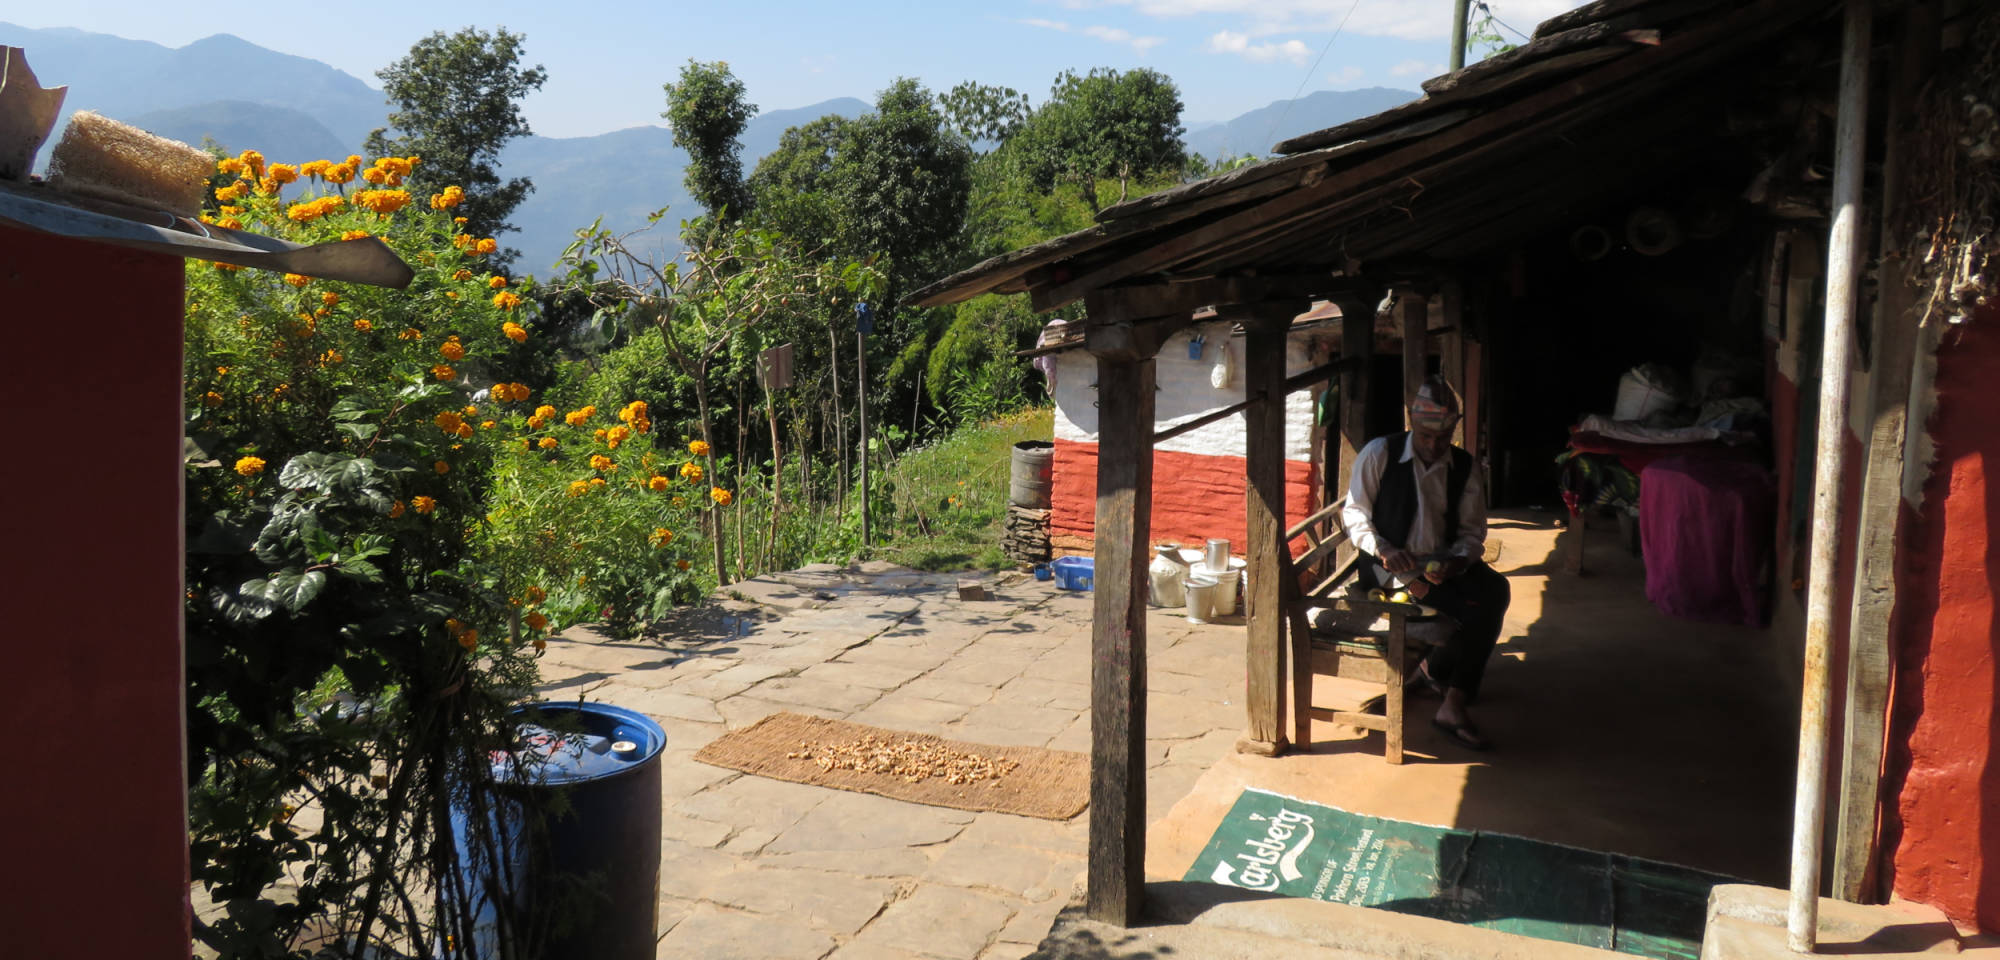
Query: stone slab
[
  {"x": 940, "y": 921},
  {"x": 841, "y": 907},
  {"x": 814, "y": 692},
  {"x": 713, "y": 933},
  {"x": 1014, "y": 871},
  {"x": 860, "y": 821},
  {"x": 748, "y": 801}
]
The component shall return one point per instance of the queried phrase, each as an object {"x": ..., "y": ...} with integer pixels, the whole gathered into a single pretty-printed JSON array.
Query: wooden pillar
[
  {"x": 1357, "y": 342},
  {"x": 1894, "y": 352},
  {"x": 1125, "y": 397},
  {"x": 1451, "y": 351},
  {"x": 1413, "y": 309},
  {"x": 1475, "y": 407},
  {"x": 1266, "y": 328}
]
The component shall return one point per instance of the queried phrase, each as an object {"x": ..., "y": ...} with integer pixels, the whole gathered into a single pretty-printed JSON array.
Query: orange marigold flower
[
  {"x": 314, "y": 168},
  {"x": 680, "y": 564},
  {"x": 448, "y": 421},
  {"x": 505, "y": 300},
  {"x": 396, "y": 510},
  {"x": 536, "y": 594},
  {"x": 354, "y": 234},
  {"x": 691, "y": 471},
  {"x": 442, "y": 467},
  {"x": 250, "y": 466},
  {"x": 211, "y": 399},
  {"x": 461, "y": 275},
  {"x": 468, "y": 639},
  {"x": 375, "y": 175},
  {"x": 329, "y": 298},
  {"x": 229, "y": 165},
  {"x": 463, "y": 241},
  {"x": 514, "y": 331},
  {"x": 452, "y": 349},
  {"x": 443, "y": 372},
  {"x": 657, "y": 482},
  {"x": 297, "y": 280},
  {"x": 496, "y": 282},
  {"x": 698, "y": 447},
  {"x": 364, "y": 325},
  {"x": 662, "y": 536},
  {"x": 252, "y": 161},
  {"x": 597, "y": 481},
  {"x": 283, "y": 172},
  {"x": 536, "y": 621},
  {"x": 330, "y": 357},
  {"x": 487, "y": 424},
  {"x": 578, "y": 488},
  {"x": 464, "y": 433},
  {"x": 340, "y": 172},
  {"x": 720, "y": 496},
  {"x": 616, "y": 436},
  {"x": 548, "y": 443},
  {"x": 599, "y": 461},
  {"x": 382, "y": 201},
  {"x": 544, "y": 412},
  {"x": 577, "y": 418},
  {"x": 487, "y": 245},
  {"x": 410, "y": 333},
  {"x": 424, "y": 504}
]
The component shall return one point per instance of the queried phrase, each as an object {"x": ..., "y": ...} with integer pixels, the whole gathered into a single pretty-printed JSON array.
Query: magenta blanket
[{"x": 1705, "y": 528}]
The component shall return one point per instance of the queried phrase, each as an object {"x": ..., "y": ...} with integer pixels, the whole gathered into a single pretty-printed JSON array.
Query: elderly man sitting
[{"x": 1416, "y": 509}]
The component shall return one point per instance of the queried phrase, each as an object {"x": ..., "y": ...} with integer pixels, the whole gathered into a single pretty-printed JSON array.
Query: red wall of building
[
  {"x": 95, "y": 810},
  {"x": 1194, "y": 497},
  {"x": 1943, "y": 829}
]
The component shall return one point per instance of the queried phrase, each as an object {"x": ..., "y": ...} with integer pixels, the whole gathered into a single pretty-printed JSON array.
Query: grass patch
[{"x": 950, "y": 497}]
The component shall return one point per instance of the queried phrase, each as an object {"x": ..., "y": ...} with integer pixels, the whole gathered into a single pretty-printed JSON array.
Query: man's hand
[
  {"x": 1418, "y": 588},
  {"x": 1438, "y": 571},
  {"x": 1396, "y": 560}
]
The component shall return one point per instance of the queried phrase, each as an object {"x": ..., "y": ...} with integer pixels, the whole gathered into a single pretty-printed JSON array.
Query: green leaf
[{"x": 359, "y": 431}]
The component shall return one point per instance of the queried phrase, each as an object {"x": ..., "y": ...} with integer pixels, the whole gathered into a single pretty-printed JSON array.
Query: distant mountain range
[{"x": 291, "y": 108}]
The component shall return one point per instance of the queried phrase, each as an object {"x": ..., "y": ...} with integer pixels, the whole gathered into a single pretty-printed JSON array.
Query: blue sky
[{"x": 607, "y": 60}]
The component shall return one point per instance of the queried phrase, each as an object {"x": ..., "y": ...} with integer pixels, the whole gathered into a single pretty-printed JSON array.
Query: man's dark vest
[{"x": 1396, "y": 496}]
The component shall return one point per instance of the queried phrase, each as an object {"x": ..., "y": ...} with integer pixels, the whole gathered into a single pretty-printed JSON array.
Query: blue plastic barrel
[{"x": 594, "y": 867}]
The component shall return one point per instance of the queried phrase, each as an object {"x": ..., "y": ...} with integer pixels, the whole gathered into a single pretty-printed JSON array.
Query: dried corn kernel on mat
[{"x": 1026, "y": 781}]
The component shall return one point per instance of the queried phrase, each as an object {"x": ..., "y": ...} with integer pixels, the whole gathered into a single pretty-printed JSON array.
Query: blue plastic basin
[{"x": 1073, "y": 573}]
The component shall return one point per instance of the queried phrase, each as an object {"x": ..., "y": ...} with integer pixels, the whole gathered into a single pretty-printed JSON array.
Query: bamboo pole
[{"x": 1850, "y": 154}]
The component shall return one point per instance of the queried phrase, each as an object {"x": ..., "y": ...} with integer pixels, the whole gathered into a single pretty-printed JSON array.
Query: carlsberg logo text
[{"x": 1272, "y": 858}]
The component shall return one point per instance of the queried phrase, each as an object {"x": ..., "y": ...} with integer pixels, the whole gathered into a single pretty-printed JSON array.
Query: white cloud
[
  {"x": 1228, "y": 41},
  {"x": 1047, "y": 24},
  {"x": 1403, "y": 19},
  {"x": 1345, "y": 76},
  {"x": 1416, "y": 68},
  {"x": 1106, "y": 34}
]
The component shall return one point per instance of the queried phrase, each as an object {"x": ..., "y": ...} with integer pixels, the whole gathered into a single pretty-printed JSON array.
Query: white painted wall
[{"x": 1186, "y": 393}]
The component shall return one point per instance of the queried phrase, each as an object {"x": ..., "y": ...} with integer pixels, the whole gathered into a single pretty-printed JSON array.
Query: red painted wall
[
  {"x": 95, "y": 810},
  {"x": 1944, "y": 773},
  {"x": 1194, "y": 497}
]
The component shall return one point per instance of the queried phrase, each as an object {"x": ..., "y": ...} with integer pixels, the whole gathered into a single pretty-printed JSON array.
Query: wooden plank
[
  {"x": 1413, "y": 309},
  {"x": 1475, "y": 407},
  {"x": 1264, "y": 503},
  {"x": 1298, "y": 658},
  {"x": 1451, "y": 349},
  {"x": 1895, "y": 333},
  {"x": 1116, "y": 872},
  {"x": 1595, "y": 40},
  {"x": 1357, "y": 341},
  {"x": 1393, "y": 660},
  {"x": 1329, "y": 512}
]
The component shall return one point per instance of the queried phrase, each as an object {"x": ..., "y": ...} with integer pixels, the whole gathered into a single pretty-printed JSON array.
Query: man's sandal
[{"x": 1464, "y": 734}]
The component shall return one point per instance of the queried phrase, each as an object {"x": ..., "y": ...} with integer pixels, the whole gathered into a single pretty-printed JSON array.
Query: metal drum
[{"x": 1034, "y": 463}]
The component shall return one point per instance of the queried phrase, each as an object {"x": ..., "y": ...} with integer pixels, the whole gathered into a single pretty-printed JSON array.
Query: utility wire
[
  {"x": 1489, "y": 15},
  {"x": 1268, "y": 137}
]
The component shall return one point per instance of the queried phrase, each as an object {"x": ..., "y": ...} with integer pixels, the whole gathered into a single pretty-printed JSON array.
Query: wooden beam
[
  {"x": 1451, "y": 348},
  {"x": 1116, "y": 872},
  {"x": 1264, "y": 502},
  {"x": 1414, "y": 310},
  {"x": 1874, "y": 599},
  {"x": 1161, "y": 298},
  {"x": 1293, "y": 384},
  {"x": 1357, "y": 342}
]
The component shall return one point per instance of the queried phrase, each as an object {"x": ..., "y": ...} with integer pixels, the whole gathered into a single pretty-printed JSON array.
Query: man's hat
[{"x": 1435, "y": 407}]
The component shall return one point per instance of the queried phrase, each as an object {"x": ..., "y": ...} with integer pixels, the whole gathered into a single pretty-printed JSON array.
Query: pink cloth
[{"x": 1706, "y": 530}]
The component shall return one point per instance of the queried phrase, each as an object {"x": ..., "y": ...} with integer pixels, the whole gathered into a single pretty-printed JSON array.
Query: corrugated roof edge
[{"x": 367, "y": 260}]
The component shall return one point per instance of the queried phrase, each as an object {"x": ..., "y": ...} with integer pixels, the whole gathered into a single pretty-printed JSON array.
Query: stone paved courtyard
[{"x": 758, "y": 868}]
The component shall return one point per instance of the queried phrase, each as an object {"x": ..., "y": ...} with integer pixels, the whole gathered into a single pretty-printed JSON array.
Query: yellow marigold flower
[
  {"x": 691, "y": 471},
  {"x": 680, "y": 564},
  {"x": 577, "y": 418},
  {"x": 424, "y": 504},
  {"x": 382, "y": 201},
  {"x": 636, "y": 410},
  {"x": 496, "y": 282},
  {"x": 283, "y": 172},
  {"x": 339, "y": 172},
  {"x": 448, "y": 421},
  {"x": 375, "y": 175},
  {"x": 443, "y": 372},
  {"x": 329, "y": 298},
  {"x": 211, "y": 399},
  {"x": 662, "y": 536},
  {"x": 364, "y": 325},
  {"x": 252, "y": 161},
  {"x": 268, "y": 185},
  {"x": 463, "y": 241},
  {"x": 464, "y": 433},
  {"x": 229, "y": 194},
  {"x": 487, "y": 245},
  {"x": 458, "y": 220},
  {"x": 597, "y": 481},
  {"x": 222, "y": 371},
  {"x": 297, "y": 280},
  {"x": 281, "y": 389},
  {"x": 720, "y": 496},
  {"x": 698, "y": 447},
  {"x": 452, "y": 350},
  {"x": 505, "y": 300},
  {"x": 354, "y": 234},
  {"x": 536, "y": 621},
  {"x": 314, "y": 168},
  {"x": 599, "y": 461},
  {"x": 250, "y": 466},
  {"x": 462, "y": 275},
  {"x": 442, "y": 467},
  {"x": 229, "y": 211},
  {"x": 616, "y": 436},
  {"x": 470, "y": 410},
  {"x": 657, "y": 482},
  {"x": 514, "y": 331},
  {"x": 544, "y": 412},
  {"x": 451, "y": 294},
  {"x": 229, "y": 223},
  {"x": 229, "y": 165},
  {"x": 396, "y": 165},
  {"x": 396, "y": 510},
  {"x": 578, "y": 488},
  {"x": 410, "y": 333},
  {"x": 487, "y": 425},
  {"x": 354, "y": 160},
  {"x": 548, "y": 443}
]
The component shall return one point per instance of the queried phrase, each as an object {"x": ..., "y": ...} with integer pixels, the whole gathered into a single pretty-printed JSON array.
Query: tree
[
  {"x": 901, "y": 179},
  {"x": 708, "y": 112},
  {"x": 790, "y": 189},
  {"x": 980, "y": 112},
  {"x": 1103, "y": 125},
  {"x": 458, "y": 100}
]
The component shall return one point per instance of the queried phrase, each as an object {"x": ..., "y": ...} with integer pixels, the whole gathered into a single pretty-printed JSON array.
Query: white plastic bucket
[
  {"x": 1200, "y": 598},
  {"x": 1226, "y": 582}
]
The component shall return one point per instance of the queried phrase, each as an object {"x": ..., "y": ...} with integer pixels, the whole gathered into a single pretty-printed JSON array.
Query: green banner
[{"x": 1280, "y": 845}]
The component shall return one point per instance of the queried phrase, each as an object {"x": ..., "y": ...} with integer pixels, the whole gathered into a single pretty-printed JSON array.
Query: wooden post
[
  {"x": 1116, "y": 867},
  {"x": 1413, "y": 308},
  {"x": 1357, "y": 342},
  {"x": 1475, "y": 409},
  {"x": 1881, "y": 486},
  {"x": 1451, "y": 351},
  {"x": 1266, "y": 329}
]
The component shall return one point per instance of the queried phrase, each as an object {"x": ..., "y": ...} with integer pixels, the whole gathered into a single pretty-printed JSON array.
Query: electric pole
[{"x": 1460, "y": 11}]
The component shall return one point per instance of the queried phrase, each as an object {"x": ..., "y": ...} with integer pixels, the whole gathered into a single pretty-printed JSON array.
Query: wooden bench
[{"x": 1350, "y": 647}]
